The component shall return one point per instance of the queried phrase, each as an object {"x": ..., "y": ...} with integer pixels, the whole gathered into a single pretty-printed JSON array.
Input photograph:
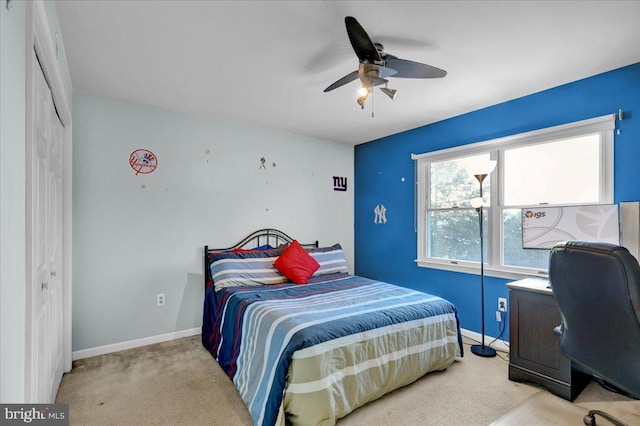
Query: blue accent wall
[{"x": 384, "y": 174}]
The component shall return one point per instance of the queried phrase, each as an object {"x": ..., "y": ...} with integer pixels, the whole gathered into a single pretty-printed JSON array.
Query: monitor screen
[{"x": 543, "y": 227}]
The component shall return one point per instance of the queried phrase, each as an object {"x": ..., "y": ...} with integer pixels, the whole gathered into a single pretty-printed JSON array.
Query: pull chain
[{"x": 372, "y": 103}]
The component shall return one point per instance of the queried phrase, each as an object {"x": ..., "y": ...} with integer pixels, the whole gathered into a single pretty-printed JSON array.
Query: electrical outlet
[
  {"x": 160, "y": 299},
  {"x": 498, "y": 316},
  {"x": 502, "y": 304}
]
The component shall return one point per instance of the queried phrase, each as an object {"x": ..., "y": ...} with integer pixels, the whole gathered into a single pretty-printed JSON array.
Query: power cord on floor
[{"x": 498, "y": 352}]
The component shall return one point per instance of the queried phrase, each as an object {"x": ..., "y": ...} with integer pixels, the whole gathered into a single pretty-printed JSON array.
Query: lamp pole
[{"x": 482, "y": 350}]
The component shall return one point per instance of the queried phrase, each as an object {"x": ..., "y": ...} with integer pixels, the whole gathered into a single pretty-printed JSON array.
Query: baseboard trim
[
  {"x": 130, "y": 344},
  {"x": 498, "y": 345}
]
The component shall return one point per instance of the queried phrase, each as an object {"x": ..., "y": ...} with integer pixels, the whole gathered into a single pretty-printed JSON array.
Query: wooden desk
[{"x": 534, "y": 347}]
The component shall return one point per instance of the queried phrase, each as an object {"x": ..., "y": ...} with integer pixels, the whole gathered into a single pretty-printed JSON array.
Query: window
[{"x": 564, "y": 165}]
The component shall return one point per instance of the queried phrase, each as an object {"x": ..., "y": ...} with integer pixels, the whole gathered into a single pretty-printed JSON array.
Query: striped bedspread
[{"x": 254, "y": 332}]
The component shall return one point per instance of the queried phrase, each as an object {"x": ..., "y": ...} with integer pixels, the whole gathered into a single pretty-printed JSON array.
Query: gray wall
[{"x": 136, "y": 235}]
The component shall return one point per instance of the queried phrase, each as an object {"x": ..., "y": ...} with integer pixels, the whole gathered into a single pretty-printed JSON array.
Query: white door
[{"x": 45, "y": 185}]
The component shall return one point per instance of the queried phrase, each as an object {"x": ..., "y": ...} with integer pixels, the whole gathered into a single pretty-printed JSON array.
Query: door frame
[{"x": 39, "y": 38}]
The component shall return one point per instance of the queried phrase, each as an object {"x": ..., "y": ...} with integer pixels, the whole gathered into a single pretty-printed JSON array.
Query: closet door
[
  {"x": 45, "y": 186},
  {"x": 55, "y": 248}
]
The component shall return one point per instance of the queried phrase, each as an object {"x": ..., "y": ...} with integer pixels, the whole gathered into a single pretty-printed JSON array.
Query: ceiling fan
[{"x": 376, "y": 65}]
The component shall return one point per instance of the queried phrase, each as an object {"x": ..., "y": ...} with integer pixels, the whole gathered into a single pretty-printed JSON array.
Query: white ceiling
[{"x": 266, "y": 63}]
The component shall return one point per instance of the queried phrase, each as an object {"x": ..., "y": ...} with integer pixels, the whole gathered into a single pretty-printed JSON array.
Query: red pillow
[{"x": 296, "y": 264}]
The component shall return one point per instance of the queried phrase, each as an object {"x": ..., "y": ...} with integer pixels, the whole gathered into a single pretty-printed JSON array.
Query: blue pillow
[
  {"x": 245, "y": 268},
  {"x": 331, "y": 259}
]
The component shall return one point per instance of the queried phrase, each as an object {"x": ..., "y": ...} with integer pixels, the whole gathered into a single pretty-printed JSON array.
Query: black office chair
[{"x": 597, "y": 287}]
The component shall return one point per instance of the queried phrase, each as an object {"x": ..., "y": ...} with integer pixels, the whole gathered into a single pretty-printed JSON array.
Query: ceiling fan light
[
  {"x": 391, "y": 93},
  {"x": 361, "y": 100},
  {"x": 363, "y": 93}
]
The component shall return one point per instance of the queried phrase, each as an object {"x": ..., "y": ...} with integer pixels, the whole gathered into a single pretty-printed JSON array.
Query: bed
[{"x": 305, "y": 342}]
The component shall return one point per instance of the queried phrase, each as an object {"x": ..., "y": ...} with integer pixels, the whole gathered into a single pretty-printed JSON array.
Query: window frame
[{"x": 494, "y": 265}]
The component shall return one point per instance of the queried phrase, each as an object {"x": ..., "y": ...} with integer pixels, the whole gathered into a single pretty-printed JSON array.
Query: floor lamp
[{"x": 481, "y": 171}]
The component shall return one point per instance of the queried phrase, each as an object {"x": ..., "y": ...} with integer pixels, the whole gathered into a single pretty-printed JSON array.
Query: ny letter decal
[
  {"x": 339, "y": 183},
  {"x": 380, "y": 212}
]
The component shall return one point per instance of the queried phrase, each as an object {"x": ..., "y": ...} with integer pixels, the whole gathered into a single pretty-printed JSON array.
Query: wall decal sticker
[
  {"x": 143, "y": 161},
  {"x": 380, "y": 212},
  {"x": 263, "y": 164},
  {"x": 339, "y": 183}
]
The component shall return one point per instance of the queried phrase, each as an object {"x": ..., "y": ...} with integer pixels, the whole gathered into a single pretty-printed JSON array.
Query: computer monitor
[{"x": 543, "y": 227}]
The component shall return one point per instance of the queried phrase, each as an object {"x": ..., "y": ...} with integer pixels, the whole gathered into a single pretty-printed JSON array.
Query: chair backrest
[{"x": 597, "y": 287}]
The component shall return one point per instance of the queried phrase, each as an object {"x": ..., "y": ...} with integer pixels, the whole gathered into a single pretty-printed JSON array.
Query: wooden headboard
[{"x": 261, "y": 237}]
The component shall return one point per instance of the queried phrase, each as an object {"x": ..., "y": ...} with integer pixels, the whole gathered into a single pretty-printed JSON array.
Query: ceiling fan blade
[
  {"x": 344, "y": 80},
  {"x": 411, "y": 69},
  {"x": 362, "y": 44}
]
